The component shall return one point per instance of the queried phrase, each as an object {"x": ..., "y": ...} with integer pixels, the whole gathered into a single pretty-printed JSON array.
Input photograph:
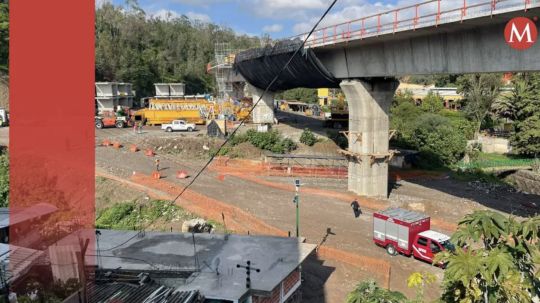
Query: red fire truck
[{"x": 408, "y": 232}]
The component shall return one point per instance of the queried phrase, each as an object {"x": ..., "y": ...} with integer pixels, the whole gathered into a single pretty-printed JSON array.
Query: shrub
[
  {"x": 308, "y": 138},
  {"x": 370, "y": 292},
  {"x": 432, "y": 103},
  {"x": 271, "y": 141},
  {"x": 338, "y": 138},
  {"x": 403, "y": 117},
  {"x": 284, "y": 146},
  {"x": 438, "y": 141}
]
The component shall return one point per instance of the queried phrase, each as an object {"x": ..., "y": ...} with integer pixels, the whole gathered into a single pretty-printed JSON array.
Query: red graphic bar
[{"x": 51, "y": 135}]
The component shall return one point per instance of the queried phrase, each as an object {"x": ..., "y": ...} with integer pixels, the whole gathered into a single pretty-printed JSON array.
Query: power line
[
  {"x": 256, "y": 103},
  {"x": 242, "y": 122}
]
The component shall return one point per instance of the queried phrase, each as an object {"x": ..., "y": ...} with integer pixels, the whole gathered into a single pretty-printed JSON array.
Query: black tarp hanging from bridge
[{"x": 259, "y": 66}]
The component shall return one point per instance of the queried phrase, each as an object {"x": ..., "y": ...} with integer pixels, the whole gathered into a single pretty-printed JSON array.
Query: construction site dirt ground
[{"x": 445, "y": 199}]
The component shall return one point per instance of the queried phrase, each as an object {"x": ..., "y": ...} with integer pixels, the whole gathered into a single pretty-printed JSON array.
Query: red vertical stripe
[{"x": 52, "y": 108}]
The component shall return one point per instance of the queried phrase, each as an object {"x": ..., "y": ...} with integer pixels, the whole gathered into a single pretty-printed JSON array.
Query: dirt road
[{"x": 318, "y": 213}]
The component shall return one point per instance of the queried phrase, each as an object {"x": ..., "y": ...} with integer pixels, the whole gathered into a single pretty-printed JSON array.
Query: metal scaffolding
[{"x": 224, "y": 63}]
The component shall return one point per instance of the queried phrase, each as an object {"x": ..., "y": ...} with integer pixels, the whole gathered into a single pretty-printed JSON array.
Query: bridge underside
[
  {"x": 260, "y": 66},
  {"x": 366, "y": 71}
]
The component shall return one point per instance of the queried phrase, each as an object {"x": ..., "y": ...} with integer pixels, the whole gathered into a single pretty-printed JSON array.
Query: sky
[{"x": 277, "y": 18}]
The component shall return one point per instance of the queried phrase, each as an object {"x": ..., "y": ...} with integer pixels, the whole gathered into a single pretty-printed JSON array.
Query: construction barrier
[{"x": 156, "y": 175}]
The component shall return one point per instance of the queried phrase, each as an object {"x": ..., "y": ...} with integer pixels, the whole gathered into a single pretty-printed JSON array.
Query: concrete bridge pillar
[
  {"x": 263, "y": 113},
  {"x": 369, "y": 103}
]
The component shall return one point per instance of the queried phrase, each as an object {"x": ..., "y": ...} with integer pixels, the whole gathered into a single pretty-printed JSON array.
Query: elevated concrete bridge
[{"x": 365, "y": 56}]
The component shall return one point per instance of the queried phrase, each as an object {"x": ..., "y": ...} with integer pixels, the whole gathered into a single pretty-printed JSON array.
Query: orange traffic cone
[
  {"x": 156, "y": 175},
  {"x": 150, "y": 153},
  {"x": 134, "y": 148},
  {"x": 106, "y": 142},
  {"x": 117, "y": 145},
  {"x": 181, "y": 174}
]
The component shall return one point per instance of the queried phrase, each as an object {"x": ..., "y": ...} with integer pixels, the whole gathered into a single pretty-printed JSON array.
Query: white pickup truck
[{"x": 177, "y": 125}]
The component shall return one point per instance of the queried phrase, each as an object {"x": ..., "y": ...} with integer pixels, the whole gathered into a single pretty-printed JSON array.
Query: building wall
[
  {"x": 283, "y": 291},
  {"x": 494, "y": 145}
]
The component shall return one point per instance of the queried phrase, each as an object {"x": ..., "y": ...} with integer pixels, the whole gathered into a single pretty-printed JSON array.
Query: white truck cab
[{"x": 178, "y": 125}]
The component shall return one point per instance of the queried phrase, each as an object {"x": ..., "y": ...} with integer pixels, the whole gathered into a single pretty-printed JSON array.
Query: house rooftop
[
  {"x": 18, "y": 215},
  {"x": 210, "y": 259}
]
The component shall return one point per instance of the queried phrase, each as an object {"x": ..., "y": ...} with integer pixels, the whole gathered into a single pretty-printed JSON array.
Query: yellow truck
[
  {"x": 163, "y": 111},
  {"x": 158, "y": 117}
]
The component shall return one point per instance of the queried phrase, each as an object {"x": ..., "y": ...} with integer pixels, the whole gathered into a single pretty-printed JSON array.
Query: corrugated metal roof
[
  {"x": 404, "y": 215},
  {"x": 131, "y": 293}
]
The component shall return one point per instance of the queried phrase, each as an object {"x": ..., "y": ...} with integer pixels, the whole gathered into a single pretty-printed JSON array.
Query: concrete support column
[
  {"x": 369, "y": 104},
  {"x": 264, "y": 111}
]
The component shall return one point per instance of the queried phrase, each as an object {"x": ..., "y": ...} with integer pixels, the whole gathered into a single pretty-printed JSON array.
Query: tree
[
  {"x": 306, "y": 95},
  {"x": 308, "y": 138},
  {"x": 432, "y": 103},
  {"x": 132, "y": 46},
  {"x": 523, "y": 106},
  {"x": 480, "y": 92},
  {"x": 438, "y": 141},
  {"x": 370, "y": 292},
  {"x": 4, "y": 180},
  {"x": 499, "y": 264},
  {"x": 403, "y": 119},
  {"x": 4, "y": 37}
]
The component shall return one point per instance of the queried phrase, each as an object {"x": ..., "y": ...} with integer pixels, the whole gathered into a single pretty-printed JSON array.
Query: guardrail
[{"x": 413, "y": 17}]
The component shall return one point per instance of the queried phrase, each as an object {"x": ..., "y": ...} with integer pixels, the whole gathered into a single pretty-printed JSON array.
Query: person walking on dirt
[
  {"x": 157, "y": 165},
  {"x": 140, "y": 127},
  {"x": 356, "y": 208}
]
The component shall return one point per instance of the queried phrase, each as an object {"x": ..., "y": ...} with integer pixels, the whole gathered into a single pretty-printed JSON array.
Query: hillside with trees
[{"x": 133, "y": 46}]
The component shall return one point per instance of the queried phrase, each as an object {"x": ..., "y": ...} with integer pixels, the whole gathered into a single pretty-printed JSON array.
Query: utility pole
[
  {"x": 248, "y": 272},
  {"x": 297, "y": 202}
]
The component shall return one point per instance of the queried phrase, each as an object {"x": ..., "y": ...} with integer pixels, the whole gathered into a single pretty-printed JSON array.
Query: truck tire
[
  {"x": 190, "y": 129},
  {"x": 391, "y": 250},
  {"x": 99, "y": 124},
  {"x": 119, "y": 124},
  {"x": 169, "y": 129}
]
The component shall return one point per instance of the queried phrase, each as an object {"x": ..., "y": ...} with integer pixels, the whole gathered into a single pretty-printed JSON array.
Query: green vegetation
[
  {"x": 523, "y": 107},
  {"x": 4, "y": 37},
  {"x": 437, "y": 80},
  {"x": 134, "y": 47},
  {"x": 45, "y": 292},
  {"x": 432, "y": 103},
  {"x": 131, "y": 215},
  {"x": 438, "y": 141},
  {"x": 484, "y": 160},
  {"x": 4, "y": 179},
  {"x": 308, "y": 138},
  {"x": 307, "y": 95},
  {"x": 419, "y": 281},
  {"x": 427, "y": 128},
  {"x": 500, "y": 263},
  {"x": 370, "y": 292},
  {"x": 480, "y": 92},
  {"x": 338, "y": 138},
  {"x": 271, "y": 141}
]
